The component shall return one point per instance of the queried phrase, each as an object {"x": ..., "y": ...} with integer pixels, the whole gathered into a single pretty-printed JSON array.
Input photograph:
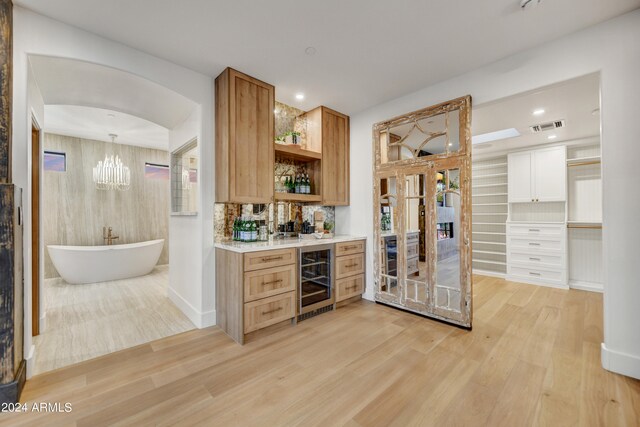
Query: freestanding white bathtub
[{"x": 91, "y": 264}]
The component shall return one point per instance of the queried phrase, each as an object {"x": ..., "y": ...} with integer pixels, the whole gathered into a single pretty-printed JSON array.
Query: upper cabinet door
[
  {"x": 550, "y": 174},
  {"x": 244, "y": 138},
  {"x": 520, "y": 182},
  {"x": 335, "y": 158}
]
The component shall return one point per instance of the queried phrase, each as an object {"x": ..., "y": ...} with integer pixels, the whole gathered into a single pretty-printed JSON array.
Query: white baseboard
[
  {"x": 30, "y": 360},
  {"x": 621, "y": 363},
  {"x": 535, "y": 282},
  {"x": 198, "y": 318},
  {"x": 586, "y": 286},
  {"x": 489, "y": 273}
]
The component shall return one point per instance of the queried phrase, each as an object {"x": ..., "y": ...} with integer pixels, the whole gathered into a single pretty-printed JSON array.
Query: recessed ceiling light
[
  {"x": 310, "y": 50},
  {"x": 538, "y": 112},
  {"x": 552, "y": 136},
  {"x": 299, "y": 96},
  {"x": 495, "y": 136}
]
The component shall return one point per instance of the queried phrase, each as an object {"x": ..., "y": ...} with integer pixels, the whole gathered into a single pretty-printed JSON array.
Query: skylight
[{"x": 495, "y": 136}]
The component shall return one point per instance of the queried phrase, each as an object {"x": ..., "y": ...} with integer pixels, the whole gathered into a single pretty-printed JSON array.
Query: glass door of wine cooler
[{"x": 316, "y": 278}]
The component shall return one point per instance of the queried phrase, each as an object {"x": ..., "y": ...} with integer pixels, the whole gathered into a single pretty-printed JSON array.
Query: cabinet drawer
[
  {"x": 413, "y": 238},
  {"x": 533, "y": 245},
  {"x": 269, "y": 311},
  {"x": 349, "y": 287},
  {"x": 412, "y": 250},
  {"x": 546, "y": 275},
  {"x": 266, "y": 259},
  {"x": 533, "y": 230},
  {"x": 412, "y": 266},
  {"x": 268, "y": 282},
  {"x": 349, "y": 265},
  {"x": 536, "y": 259},
  {"x": 350, "y": 248}
]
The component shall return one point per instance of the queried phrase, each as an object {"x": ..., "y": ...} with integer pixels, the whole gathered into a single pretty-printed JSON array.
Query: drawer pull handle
[
  {"x": 350, "y": 265},
  {"x": 271, "y": 258},
  {"x": 534, "y": 244},
  {"x": 534, "y": 229},
  {"x": 346, "y": 248},
  {"x": 351, "y": 287},
  {"x": 273, "y": 282},
  {"x": 533, "y": 273},
  {"x": 534, "y": 259},
  {"x": 271, "y": 311}
]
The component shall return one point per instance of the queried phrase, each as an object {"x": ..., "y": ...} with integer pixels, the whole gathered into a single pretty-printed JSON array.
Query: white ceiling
[
  {"x": 573, "y": 101},
  {"x": 367, "y": 51},
  {"x": 97, "y": 124},
  {"x": 71, "y": 82}
]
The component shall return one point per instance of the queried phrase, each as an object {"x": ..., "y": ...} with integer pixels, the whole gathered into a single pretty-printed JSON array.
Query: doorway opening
[{"x": 101, "y": 167}]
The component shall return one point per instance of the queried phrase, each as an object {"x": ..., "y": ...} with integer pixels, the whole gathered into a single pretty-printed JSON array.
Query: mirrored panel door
[
  {"x": 417, "y": 274},
  {"x": 448, "y": 246},
  {"x": 422, "y": 218},
  {"x": 388, "y": 223}
]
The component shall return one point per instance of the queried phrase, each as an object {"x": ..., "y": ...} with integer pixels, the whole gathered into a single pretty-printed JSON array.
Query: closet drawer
[
  {"x": 516, "y": 243},
  {"x": 349, "y": 265},
  {"x": 269, "y": 311},
  {"x": 268, "y": 282},
  {"x": 536, "y": 259},
  {"x": 533, "y": 230},
  {"x": 412, "y": 250},
  {"x": 266, "y": 259},
  {"x": 350, "y": 248},
  {"x": 349, "y": 287},
  {"x": 543, "y": 275}
]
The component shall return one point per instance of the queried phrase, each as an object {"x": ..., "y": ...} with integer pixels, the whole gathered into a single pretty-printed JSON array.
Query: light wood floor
[
  {"x": 533, "y": 358},
  {"x": 87, "y": 321}
]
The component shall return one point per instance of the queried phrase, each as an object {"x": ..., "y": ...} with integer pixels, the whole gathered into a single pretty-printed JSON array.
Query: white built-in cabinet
[
  {"x": 538, "y": 176},
  {"x": 536, "y": 227}
]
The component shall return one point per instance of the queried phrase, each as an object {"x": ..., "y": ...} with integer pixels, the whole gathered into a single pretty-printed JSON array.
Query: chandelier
[{"x": 111, "y": 173}]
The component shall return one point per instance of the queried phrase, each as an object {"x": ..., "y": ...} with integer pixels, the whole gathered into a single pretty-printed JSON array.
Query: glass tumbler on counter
[{"x": 263, "y": 233}]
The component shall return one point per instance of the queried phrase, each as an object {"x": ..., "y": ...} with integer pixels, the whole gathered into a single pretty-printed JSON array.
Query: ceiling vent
[{"x": 541, "y": 127}]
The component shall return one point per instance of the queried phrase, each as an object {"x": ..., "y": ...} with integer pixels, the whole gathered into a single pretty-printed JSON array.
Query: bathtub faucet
[{"x": 108, "y": 236}]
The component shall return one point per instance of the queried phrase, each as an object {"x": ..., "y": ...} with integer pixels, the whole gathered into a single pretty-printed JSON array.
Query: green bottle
[{"x": 254, "y": 231}]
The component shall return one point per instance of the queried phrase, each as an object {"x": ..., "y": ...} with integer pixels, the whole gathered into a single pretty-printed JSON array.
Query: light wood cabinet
[
  {"x": 244, "y": 138},
  {"x": 537, "y": 176},
  {"x": 350, "y": 270},
  {"x": 254, "y": 290},
  {"x": 329, "y": 129}
]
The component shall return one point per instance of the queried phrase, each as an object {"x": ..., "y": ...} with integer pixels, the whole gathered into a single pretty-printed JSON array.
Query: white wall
[
  {"x": 35, "y": 34},
  {"x": 612, "y": 48}
]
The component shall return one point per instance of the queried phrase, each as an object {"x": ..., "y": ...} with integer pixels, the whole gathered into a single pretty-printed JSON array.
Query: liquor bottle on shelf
[
  {"x": 297, "y": 183},
  {"x": 235, "y": 228},
  {"x": 307, "y": 184},
  {"x": 254, "y": 231}
]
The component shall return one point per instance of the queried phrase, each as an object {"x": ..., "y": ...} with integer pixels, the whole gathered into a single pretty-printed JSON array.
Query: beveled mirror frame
[{"x": 428, "y": 165}]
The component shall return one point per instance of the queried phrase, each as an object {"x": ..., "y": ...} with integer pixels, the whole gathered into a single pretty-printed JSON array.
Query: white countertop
[{"x": 291, "y": 242}]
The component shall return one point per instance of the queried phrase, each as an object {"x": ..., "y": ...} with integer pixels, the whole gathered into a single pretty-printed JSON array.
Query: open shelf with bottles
[{"x": 288, "y": 168}]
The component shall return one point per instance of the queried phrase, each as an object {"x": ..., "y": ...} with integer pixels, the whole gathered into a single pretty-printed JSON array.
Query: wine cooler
[{"x": 316, "y": 281}]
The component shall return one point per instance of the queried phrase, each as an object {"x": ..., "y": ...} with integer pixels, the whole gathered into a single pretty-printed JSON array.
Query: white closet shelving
[
  {"x": 584, "y": 222},
  {"x": 490, "y": 209}
]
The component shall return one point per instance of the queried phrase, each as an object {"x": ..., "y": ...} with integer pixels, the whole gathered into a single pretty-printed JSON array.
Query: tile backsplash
[{"x": 272, "y": 215}]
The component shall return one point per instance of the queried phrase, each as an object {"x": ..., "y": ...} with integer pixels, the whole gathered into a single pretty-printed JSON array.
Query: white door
[
  {"x": 550, "y": 172},
  {"x": 520, "y": 183}
]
